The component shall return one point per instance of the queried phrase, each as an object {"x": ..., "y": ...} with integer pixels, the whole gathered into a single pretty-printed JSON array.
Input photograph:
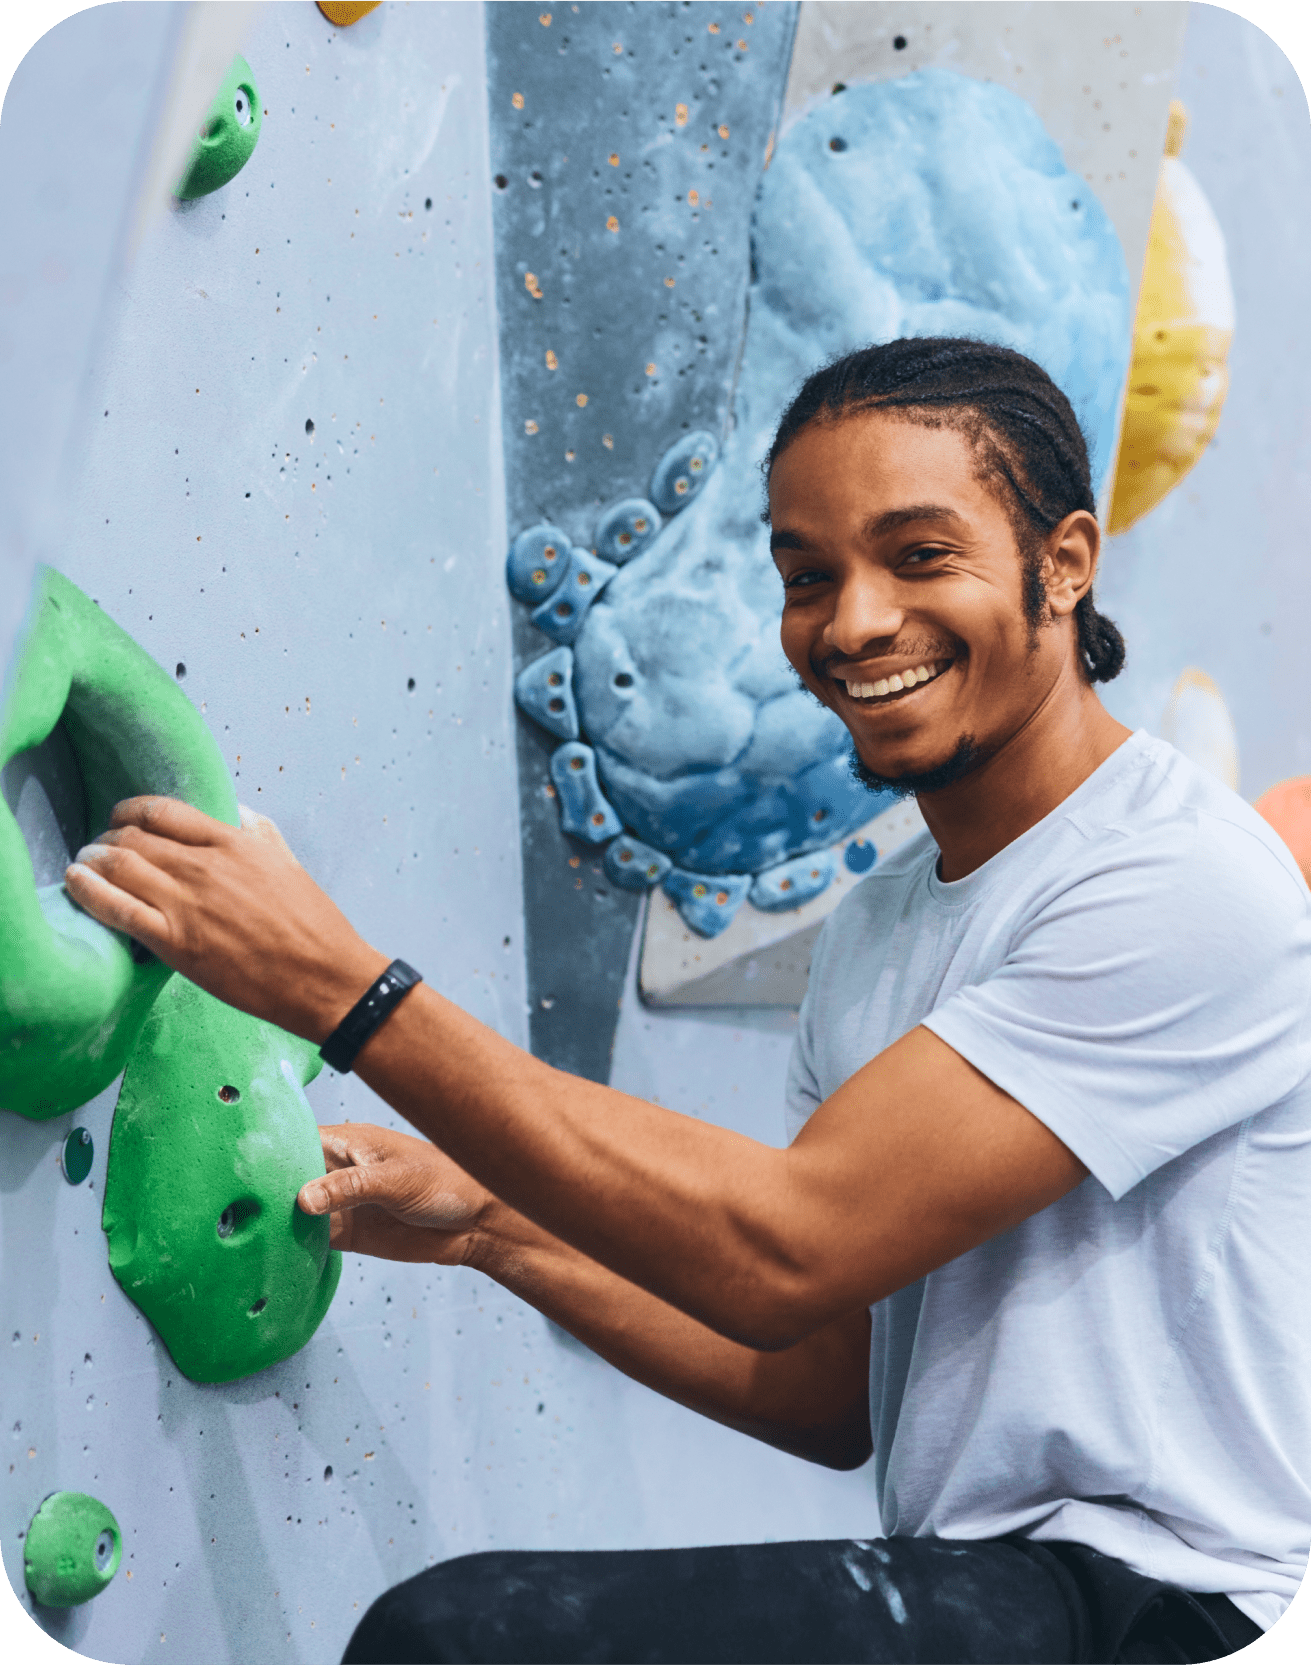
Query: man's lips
[{"x": 870, "y": 690}]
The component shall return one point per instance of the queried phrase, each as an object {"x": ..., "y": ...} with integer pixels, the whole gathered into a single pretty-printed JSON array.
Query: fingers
[
  {"x": 169, "y": 818},
  {"x": 119, "y": 909}
]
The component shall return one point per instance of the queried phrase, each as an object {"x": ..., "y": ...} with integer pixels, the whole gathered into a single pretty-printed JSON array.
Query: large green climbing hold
[
  {"x": 71, "y": 1551},
  {"x": 227, "y": 137},
  {"x": 212, "y": 1139},
  {"x": 72, "y": 996}
]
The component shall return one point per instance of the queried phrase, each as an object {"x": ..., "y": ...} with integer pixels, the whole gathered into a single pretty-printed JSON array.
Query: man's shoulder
[{"x": 1169, "y": 814}]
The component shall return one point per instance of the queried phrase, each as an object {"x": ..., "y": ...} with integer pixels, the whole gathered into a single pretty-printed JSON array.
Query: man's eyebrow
[
  {"x": 894, "y": 519},
  {"x": 785, "y": 540}
]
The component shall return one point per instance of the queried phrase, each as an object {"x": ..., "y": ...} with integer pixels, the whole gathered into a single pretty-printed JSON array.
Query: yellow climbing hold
[
  {"x": 1179, "y": 376},
  {"x": 345, "y": 12}
]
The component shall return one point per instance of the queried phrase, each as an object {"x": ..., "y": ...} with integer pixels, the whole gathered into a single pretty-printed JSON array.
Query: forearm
[
  {"x": 676, "y": 1206},
  {"x": 810, "y": 1400}
]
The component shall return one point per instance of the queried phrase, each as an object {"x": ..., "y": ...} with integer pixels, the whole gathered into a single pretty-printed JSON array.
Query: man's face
[{"x": 900, "y": 565}]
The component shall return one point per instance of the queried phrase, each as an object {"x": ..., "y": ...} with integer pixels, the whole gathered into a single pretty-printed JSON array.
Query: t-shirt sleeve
[
  {"x": 1158, "y": 999},
  {"x": 803, "y": 1094}
]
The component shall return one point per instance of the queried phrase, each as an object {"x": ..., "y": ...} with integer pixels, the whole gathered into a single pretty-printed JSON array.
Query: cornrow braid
[{"x": 1014, "y": 415}]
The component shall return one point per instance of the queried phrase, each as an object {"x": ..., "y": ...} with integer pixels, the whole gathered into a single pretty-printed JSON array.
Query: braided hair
[{"x": 1020, "y": 424}]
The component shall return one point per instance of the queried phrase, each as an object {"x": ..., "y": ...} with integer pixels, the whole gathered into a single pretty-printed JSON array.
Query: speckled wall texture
[{"x": 304, "y": 463}]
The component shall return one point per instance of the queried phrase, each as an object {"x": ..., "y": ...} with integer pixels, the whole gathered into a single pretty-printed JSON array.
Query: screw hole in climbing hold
[
  {"x": 557, "y": 704},
  {"x": 837, "y": 144},
  {"x": 181, "y": 671},
  {"x": 501, "y": 182},
  {"x": 410, "y": 685},
  {"x": 899, "y": 43},
  {"x": 229, "y": 1095},
  {"x": 575, "y": 763},
  {"x": 77, "y": 1156},
  {"x": 309, "y": 424},
  {"x": 623, "y": 680},
  {"x": 427, "y": 202},
  {"x": 327, "y": 1473},
  {"x": 258, "y": 1307},
  {"x": 104, "y": 1550}
]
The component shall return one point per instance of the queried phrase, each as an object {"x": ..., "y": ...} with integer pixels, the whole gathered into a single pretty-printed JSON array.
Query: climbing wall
[{"x": 324, "y": 403}]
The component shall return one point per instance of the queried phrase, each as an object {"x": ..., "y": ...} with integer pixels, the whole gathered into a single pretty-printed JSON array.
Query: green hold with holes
[
  {"x": 71, "y": 1551},
  {"x": 200, "y": 1188},
  {"x": 227, "y": 137},
  {"x": 212, "y": 1139}
]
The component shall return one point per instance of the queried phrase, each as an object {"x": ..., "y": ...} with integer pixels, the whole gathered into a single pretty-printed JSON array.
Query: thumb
[{"x": 344, "y": 1188}]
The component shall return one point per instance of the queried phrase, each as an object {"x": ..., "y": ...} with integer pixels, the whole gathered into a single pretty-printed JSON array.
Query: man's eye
[
  {"x": 803, "y": 580},
  {"x": 921, "y": 557}
]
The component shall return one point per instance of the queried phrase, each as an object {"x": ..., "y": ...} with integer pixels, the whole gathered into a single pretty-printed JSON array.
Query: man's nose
[{"x": 867, "y": 610}]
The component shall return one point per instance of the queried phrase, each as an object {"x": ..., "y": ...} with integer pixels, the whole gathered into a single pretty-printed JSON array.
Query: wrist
[
  {"x": 488, "y": 1240},
  {"x": 336, "y": 992}
]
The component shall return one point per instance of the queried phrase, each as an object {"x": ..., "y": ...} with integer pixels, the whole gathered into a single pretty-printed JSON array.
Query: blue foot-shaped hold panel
[
  {"x": 545, "y": 691},
  {"x": 625, "y": 530},
  {"x": 707, "y": 901},
  {"x": 536, "y": 564},
  {"x": 632, "y": 865},
  {"x": 793, "y": 882},
  {"x": 585, "y": 576},
  {"x": 683, "y": 471},
  {"x": 584, "y": 811},
  {"x": 929, "y": 205}
]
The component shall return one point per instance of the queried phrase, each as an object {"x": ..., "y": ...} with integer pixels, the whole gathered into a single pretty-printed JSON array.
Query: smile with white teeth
[{"x": 885, "y": 687}]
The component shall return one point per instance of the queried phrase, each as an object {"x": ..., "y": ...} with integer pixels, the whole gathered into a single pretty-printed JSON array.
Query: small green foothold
[
  {"x": 79, "y": 1153},
  {"x": 227, "y": 137},
  {"x": 212, "y": 1139},
  {"x": 72, "y": 1550},
  {"x": 73, "y": 995}
]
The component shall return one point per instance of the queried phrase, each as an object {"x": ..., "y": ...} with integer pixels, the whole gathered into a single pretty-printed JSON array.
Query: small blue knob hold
[
  {"x": 561, "y": 617},
  {"x": 584, "y": 811},
  {"x": 683, "y": 471},
  {"x": 707, "y": 901},
  {"x": 860, "y": 855},
  {"x": 535, "y": 566},
  {"x": 545, "y": 691},
  {"x": 793, "y": 882},
  {"x": 627, "y": 529},
  {"x": 632, "y": 865}
]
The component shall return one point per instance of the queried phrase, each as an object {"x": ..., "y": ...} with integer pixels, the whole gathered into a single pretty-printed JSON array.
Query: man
[{"x": 1039, "y": 1241}]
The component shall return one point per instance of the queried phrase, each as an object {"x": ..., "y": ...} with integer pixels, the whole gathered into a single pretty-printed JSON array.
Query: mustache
[{"x": 920, "y": 652}]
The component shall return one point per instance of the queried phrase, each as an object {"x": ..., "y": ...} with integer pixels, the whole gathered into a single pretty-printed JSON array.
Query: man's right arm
[{"x": 400, "y": 1198}]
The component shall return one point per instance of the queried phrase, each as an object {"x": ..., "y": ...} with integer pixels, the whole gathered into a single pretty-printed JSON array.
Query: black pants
[{"x": 895, "y": 1599}]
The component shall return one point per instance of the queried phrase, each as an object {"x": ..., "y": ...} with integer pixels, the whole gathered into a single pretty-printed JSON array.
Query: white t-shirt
[{"x": 1130, "y": 1368}]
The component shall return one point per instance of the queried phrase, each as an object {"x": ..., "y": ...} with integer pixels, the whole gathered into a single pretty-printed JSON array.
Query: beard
[{"x": 967, "y": 757}]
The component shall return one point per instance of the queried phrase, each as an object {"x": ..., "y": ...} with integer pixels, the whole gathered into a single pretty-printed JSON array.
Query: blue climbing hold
[
  {"x": 585, "y": 576},
  {"x": 584, "y": 811},
  {"x": 626, "y": 529},
  {"x": 545, "y": 691},
  {"x": 632, "y": 865},
  {"x": 683, "y": 470},
  {"x": 860, "y": 855},
  {"x": 707, "y": 901},
  {"x": 793, "y": 882},
  {"x": 536, "y": 564}
]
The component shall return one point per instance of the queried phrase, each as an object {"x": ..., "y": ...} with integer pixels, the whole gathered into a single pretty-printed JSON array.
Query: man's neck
[{"x": 1069, "y": 736}]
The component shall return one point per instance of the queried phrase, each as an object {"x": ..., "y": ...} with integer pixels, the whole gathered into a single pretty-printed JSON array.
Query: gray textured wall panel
[{"x": 627, "y": 141}]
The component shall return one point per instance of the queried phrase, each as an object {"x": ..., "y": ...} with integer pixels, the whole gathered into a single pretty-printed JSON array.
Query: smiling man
[{"x": 1039, "y": 1241}]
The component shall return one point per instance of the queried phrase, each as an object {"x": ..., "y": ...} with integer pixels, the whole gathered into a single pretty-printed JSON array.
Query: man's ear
[{"x": 1070, "y": 564}]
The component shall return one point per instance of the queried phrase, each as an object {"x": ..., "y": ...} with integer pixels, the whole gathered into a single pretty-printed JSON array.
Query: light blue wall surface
[
  {"x": 452, "y": 1417},
  {"x": 1216, "y": 575}
]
